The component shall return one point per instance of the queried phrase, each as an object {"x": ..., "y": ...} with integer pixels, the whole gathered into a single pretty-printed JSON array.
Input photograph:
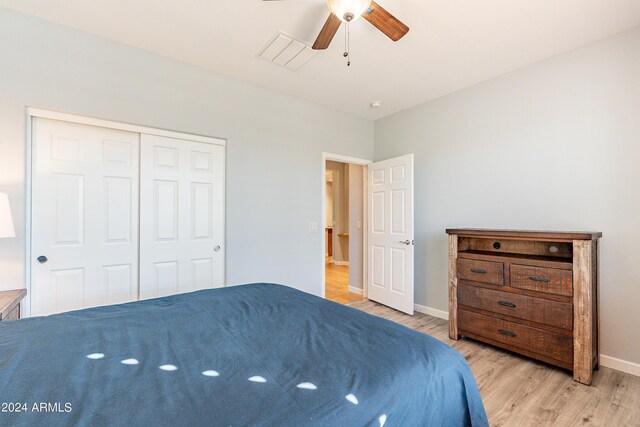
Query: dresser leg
[
  {"x": 453, "y": 288},
  {"x": 583, "y": 299}
]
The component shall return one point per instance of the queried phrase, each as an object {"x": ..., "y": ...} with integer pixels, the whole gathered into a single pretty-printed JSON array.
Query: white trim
[
  {"x": 365, "y": 231},
  {"x": 323, "y": 193},
  {"x": 431, "y": 311},
  {"x": 26, "y": 307},
  {"x": 341, "y": 263},
  {"x": 357, "y": 291},
  {"x": 91, "y": 121},
  {"x": 620, "y": 365},
  {"x": 345, "y": 159}
]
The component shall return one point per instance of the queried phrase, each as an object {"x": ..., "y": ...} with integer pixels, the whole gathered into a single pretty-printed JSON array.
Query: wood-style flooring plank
[{"x": 337, "y": 284}]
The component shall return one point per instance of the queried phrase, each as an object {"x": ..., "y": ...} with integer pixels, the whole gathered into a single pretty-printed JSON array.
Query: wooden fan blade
[
  {"x": 328, "y": 31},
  {"x": 385, "y": 22}
]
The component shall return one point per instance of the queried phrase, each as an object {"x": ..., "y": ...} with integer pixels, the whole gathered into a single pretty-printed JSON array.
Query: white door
[
  {"x": 390, "y": 239},
  {"x": 181, "y": 216},
  {"x": 84, "y": 216}
]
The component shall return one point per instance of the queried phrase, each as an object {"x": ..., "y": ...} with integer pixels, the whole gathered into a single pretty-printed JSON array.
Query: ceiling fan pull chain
[{"x": 347, "y": 47}]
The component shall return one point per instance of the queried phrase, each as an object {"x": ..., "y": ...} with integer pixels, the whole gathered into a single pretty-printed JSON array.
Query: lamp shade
[
  {"x": 6, "y": 221},
  {"x": 348, "y": 10}
]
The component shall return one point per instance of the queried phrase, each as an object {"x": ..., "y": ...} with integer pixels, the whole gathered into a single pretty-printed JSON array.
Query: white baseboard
[
  {"x": 340, "y": 262},
  {"x": 431, "y": 311},
  {"x": 355, "y": 290},
  {"x": 620, "y": 365}
]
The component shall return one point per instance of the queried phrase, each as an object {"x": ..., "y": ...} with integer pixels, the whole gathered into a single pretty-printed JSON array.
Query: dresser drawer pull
[
  {"x": 507, "y": 304},
  {"x": 507, "y": 332},
  {"x": 540, "y": 279},
  {"x": 478, "y": 270}
]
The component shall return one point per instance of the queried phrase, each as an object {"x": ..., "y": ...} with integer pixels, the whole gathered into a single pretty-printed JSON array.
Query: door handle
[
  {"x": 406, "y": 242},
  {"x": 540, "y": 279},
  {"x": 42, "y": 259},
  {"x": 216, "y": 248},
  {"x": 507, "y": 304}
]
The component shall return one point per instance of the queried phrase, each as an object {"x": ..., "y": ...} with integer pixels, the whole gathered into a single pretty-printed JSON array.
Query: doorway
[
  {"x": 387, "y": 257},
  {"x": 344, "y": 189}
]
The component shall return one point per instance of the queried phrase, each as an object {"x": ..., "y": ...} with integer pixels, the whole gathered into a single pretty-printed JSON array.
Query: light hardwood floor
[
  {"x": 521, "y": 392},
  {"x": 337, "y": 283}
]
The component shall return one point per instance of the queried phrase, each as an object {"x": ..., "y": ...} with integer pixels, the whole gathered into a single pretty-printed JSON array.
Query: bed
[{"x": 259, "y": 354}]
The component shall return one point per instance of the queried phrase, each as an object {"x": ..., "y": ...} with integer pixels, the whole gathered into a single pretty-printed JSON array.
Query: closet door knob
[
  {"x": 42, "y": 259},
  {"x": 216, "y": 249}
]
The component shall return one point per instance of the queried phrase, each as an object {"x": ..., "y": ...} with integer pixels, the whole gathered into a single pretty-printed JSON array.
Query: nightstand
[{"x": 10, "y": 303}]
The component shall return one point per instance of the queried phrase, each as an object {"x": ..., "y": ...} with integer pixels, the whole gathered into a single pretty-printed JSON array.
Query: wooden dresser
[
  {"x": 10, "y": 303},
  {"x": 531, "y": 292}
]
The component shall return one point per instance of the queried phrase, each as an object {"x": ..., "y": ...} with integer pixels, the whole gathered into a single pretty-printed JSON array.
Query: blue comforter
[{"x": 252, "y": 355}]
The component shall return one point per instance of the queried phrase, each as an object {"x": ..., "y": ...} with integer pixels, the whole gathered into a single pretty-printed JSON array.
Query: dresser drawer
[
  {"x": 551, "y": 313},
  {"x": 481, "y": 271},
  {"x": 548, "y": 280},
  {"x": 511, "y": 334}
]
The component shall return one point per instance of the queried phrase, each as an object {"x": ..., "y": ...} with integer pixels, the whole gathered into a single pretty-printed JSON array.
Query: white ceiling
[{"x": 452, "y": 44}]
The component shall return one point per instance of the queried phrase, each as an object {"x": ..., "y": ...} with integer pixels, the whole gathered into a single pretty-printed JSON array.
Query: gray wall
[
  {"x": 274, "y": 159},
  {"x": 555, "y": 145}
]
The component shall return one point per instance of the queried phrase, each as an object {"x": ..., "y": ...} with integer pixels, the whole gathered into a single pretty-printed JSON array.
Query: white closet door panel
[
  {"x": 165, "y": 210},
  {"x": 118, "y": 204},
  {"x": 166, "y": 278},
  {"x": 121, "y": 283},
  {"x": 67, "y": 208},
  {"x": 182, "y": 216},
  {"x": 68, "y": 289},
  {"x": 84, "y": 216}
]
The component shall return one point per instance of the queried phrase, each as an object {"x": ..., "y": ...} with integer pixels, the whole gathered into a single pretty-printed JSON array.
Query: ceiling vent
[{"x": 287, "y": 52}]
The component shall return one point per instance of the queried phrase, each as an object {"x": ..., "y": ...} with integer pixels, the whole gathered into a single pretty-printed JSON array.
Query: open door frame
[{"x": 323, "y": 193}]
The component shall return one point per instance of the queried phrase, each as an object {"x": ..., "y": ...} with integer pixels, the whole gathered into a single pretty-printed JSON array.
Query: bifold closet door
[
  {"x": 181, "y": 216},
  {"x": 84, "y": 216}
]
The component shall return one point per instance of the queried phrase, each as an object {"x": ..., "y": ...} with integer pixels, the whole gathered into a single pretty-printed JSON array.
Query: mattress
[{"x": 251, "y": 355}]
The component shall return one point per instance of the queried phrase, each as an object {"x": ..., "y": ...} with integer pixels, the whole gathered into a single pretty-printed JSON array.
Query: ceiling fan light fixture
[{"x": 348, "y": 10}]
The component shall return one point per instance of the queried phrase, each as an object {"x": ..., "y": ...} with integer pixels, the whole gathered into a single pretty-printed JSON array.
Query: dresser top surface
[{"x": 526, "y": 234}]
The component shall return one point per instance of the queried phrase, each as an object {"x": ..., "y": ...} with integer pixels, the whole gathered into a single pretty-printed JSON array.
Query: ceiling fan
[{"x": 349, "y": 10}]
